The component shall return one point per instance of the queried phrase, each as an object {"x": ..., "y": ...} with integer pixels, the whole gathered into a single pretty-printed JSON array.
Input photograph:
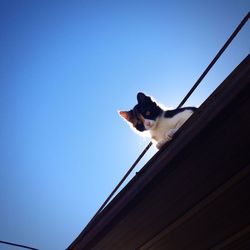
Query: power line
[
  {"x": 123, "y": 179},
  {"x": 236, "y": 31},
  {"x": 17, "y": 245}
]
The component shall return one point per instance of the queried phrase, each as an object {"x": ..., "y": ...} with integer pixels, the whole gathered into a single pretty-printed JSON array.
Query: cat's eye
[{"x": 148, "y": 113}]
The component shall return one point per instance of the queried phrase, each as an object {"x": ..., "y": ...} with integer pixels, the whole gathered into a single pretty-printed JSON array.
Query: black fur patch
[
  {"x": 147, "y": 108},
  {"x": 172, "y": 113}
]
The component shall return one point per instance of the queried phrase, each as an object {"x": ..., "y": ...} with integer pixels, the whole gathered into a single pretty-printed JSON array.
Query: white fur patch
[{"x": 164, "y": 127}]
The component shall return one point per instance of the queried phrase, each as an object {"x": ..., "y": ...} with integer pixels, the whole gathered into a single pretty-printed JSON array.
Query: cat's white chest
[{"x": 166, "y": 127}]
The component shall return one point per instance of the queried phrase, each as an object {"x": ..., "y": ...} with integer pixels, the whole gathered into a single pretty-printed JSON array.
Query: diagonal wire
[
  {"x": 236, "y": 31},
  {"x": 17, "y": 245}
]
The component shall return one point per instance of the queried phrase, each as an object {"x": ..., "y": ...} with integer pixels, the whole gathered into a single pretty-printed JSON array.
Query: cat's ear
[
  {"x": 127, "y": 115},
  {"x": 142, "y": 98}
]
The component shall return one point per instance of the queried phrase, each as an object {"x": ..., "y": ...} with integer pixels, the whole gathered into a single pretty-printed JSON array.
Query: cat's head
[{"x": 143, "y": 116}]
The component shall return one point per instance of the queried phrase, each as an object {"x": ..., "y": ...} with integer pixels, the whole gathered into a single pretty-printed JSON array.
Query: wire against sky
[{"x": 17, "y": 245}]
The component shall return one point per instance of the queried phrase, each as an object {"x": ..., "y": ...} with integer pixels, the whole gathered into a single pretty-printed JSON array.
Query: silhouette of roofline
[{"x": 207, "y": 158}]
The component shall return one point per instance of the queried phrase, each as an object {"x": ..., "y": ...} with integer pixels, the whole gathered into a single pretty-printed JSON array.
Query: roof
[{"x": 193, "y": 193}]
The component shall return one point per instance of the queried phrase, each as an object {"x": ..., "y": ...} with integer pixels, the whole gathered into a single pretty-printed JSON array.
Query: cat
[{"x": 147, "y": 115}]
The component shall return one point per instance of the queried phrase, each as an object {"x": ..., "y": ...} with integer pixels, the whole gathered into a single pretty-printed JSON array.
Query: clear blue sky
[{"x": 66, "y": 67}]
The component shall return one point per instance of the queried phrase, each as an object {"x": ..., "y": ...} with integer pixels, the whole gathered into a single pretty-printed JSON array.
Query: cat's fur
[{"x": 147, "y": 115}]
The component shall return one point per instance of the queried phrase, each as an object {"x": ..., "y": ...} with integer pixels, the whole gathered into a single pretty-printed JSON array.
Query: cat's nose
[{"x": 148, "y": 123}]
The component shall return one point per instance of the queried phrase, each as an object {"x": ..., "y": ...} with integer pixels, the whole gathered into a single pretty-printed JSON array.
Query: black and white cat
[{"x": 147, "y": 115}]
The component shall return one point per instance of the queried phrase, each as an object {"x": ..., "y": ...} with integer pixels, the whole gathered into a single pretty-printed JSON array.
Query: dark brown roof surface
[{"x": 194, "y": 193}]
